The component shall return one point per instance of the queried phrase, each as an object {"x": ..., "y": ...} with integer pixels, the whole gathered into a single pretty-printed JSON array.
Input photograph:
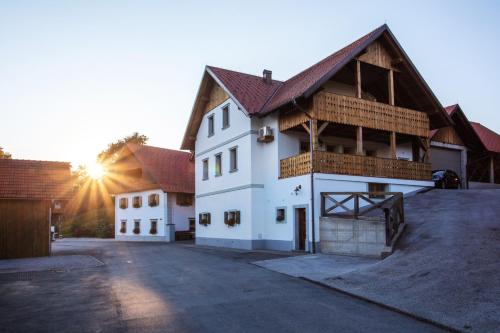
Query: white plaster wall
[
  {"x": 144, "y": 213},
  {"x": 231, "y": 190},
  {"x": 180, "y": 214}
]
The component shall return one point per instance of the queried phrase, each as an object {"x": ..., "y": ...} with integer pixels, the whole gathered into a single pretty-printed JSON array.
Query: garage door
[{"x": 442, "y": 158}]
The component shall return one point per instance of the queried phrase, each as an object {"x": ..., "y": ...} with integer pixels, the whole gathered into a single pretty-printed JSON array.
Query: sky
[{"x": 77, "y": 75}]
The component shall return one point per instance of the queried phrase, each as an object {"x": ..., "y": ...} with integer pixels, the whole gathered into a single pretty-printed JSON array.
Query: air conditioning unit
[{"x": 265, "y": 134}]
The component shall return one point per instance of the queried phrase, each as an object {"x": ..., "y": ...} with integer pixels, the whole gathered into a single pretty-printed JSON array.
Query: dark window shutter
[
  {"x": 199, "y": 218},
  {"x": 209, "y": 218},
  {"x": 225, "y": 216},
  {"x": 237, "y": 216}
]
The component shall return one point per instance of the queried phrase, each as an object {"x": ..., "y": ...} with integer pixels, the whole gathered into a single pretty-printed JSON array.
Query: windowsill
[
  {"x": 205, "y": 178},
  {"x": 218, "y": 175},
  {"x": 225, "y": 127},
  {"x": 210, "y": 135},
  {"x": 234, "y": 170}
]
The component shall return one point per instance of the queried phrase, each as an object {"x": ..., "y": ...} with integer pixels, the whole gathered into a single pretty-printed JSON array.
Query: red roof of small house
[
  {"x": 489, "y": 138},
  {"x": 35, "y": 180},
  {"x": 173, "y": 170}
]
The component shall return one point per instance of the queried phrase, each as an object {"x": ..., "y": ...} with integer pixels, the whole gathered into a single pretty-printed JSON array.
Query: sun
[{"x": 96, "y": 171}]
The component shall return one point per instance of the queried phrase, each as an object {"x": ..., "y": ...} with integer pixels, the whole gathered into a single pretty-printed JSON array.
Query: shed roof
[
  {"x": 489, "y": 138},
  {"x": 35, "y": 180}
]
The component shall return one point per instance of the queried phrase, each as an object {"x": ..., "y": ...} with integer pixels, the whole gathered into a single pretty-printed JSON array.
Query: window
[
  {"x": 192, "y": 224},
  {"x": 154, "y": 225},
  {"x": 233, "y": 159},
  {"x": 281, "y": 215},
  {"x": 123, "y": 203},
  {"x": 137, "y": 227},
  {"x": 153, "y": 200},
  {"x": 232, "y": 217},
  {"x": 225, "y": 117},
  {"x": 377, "y": 187},
  {"x": 204, "y": 219},
  {"x": 205, "y": 169},
  {"x": 184, "y": 199},
  {"x": 123, "y": 226},
  {"x": 211, "y": 125},
  {"x": 137, "y": 201},
  {"x": 218, "y": 165}
]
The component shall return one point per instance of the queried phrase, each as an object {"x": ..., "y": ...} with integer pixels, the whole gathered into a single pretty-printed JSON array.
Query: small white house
[
  {"x": 155, "y": 199},
  {"x": 357, "y": 121}
]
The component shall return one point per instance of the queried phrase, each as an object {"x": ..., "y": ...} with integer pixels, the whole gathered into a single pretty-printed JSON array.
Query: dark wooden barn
[{"x": 30, "y": 193}]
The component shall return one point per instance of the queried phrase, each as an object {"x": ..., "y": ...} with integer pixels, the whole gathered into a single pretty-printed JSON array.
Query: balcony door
[{"x": 301, "y": 229}]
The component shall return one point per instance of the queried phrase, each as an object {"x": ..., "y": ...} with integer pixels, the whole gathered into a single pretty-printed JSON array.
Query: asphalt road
[{"x": 147, "y": 287}]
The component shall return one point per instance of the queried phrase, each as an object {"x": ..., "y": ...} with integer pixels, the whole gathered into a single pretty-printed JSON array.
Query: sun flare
[{"x": 96, "y": 171}]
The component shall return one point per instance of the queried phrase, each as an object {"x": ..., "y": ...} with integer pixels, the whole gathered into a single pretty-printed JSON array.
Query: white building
[
  {"x": 364, "y": 110},
  {"x": 155, "y": 197}
]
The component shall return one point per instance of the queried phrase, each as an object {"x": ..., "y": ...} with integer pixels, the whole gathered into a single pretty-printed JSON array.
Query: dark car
[{"x": 445, "y": 179}]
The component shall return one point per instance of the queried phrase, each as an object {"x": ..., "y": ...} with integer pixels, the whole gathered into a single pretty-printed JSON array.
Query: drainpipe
[{"x": 311, "y": 172}]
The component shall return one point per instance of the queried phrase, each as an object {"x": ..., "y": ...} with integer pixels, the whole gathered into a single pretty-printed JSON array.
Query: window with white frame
[
  {"x": 233, "y": 159},
  {"x": 123, "y": 226},
  {"x": 232, "y": 217},
  {"x": 154, "y": 227},
  {"x": 137, "y": 201},
  {"x": 281, "y": 214},
  {"x": 153, "y": 200},
  {"x": 225, "y": 116},
  {"x": 205, "y": 169},
  {"x": 211, "y": 125},
  {"x": 204, "y": 219},
  {"x": 218, "y": 165},
  {"x": 123, "y": 203},
  {"x": 137, "y": 227}
]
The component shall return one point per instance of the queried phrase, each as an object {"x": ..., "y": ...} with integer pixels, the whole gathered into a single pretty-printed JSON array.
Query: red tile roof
[
  {"x": 173, "y": 170},
  {"x": 451, "y": 109},
  {"x": 36, "y": 180},
  {"x": 250, "y": 90},
  {"x": 300, "y": 83},
  {"x": 489, "y": 138}
]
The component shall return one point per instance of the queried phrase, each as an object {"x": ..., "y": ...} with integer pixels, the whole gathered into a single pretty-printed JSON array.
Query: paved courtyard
[{"x": 178, "y": 287}]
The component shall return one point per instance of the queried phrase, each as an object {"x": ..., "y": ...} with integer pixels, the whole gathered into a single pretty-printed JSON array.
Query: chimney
[{"x": 267, "y": 76}]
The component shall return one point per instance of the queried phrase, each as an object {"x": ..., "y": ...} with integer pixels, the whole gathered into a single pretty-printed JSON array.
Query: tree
[
  {"x": 80, "y": 176},
  {"x": 109, "y": 154},
  {"x": 4, "y": 154}
]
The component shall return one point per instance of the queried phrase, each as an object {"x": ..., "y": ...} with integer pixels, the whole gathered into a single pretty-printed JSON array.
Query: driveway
[{"x": 145, "y": 287}]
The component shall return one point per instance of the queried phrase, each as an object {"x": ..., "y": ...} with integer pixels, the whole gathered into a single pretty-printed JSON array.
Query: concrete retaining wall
[{"x": 353, "y": 237}]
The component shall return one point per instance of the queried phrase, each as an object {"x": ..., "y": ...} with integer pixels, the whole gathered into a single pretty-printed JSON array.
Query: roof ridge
[{"x": 243, "y": 73}]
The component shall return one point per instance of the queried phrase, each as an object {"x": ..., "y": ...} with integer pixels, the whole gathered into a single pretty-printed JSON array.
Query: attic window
[
  {"x": 123, "y": 203},
  {"x": 211, "y": 125},
  {"x": 225, "y": 117},
  {"x": 137, "y": 202},
  {"x": 153, "y": 200}
]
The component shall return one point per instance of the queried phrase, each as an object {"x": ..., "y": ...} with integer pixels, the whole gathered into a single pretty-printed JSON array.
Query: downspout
[{"x": 311, "y": 172}]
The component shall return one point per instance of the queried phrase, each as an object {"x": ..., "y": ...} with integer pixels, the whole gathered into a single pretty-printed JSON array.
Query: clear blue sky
[{"x": 76, "y": 75}]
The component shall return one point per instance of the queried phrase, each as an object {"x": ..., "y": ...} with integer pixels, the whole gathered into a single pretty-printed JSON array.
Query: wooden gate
[{"x": 24, "y": 228}]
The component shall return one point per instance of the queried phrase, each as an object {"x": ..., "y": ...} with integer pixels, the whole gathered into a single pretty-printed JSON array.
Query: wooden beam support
[
  {"x": 359, "y": 140},
  {"x": 390, "y": 79},
  {"x": 314, "y": 131},
  {"x": 358, "y": 79},
  {"x": 393, "y": 145},
  {"x": 323, "y": 127},
  {"x": 306, "y": 128}
]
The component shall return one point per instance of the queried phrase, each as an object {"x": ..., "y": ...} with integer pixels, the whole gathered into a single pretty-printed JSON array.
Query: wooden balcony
[
  {"x": 360, "y": 112},
  {"x": 355, "y": 165}
]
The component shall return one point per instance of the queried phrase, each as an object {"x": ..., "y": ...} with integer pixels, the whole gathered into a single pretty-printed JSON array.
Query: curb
[{"x": 388, "y": 307}]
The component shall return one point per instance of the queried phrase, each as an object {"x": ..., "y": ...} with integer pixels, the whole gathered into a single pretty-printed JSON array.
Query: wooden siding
[
  {"x": 355, "y": 165},
  {"x": 291, "y": 119},
  {"x": 360, "y": 112},
  {"x": 216, "y": 96},
  {"x": 24, "y": 228},
  {"x": 447, "y": 135},
  {"x": 377, "y": 55}
]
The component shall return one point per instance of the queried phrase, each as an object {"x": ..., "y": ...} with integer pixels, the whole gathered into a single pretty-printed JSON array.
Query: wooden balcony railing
[
  {"x": 360, "y": 112},
  {"x": 355, "y": 165}
]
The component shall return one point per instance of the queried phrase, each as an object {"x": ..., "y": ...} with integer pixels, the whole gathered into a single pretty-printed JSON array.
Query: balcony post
[
  {"x": 358, "y": 79},
  {"x": 393, "y": 145},
  {"x": 313, "y": 127},
  {"x": 390, "y": 79},
  {"x": 359, "y": 140}
]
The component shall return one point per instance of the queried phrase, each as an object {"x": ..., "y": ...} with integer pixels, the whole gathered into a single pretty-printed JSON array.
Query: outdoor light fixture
[{"x": 297, "y": 189}]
